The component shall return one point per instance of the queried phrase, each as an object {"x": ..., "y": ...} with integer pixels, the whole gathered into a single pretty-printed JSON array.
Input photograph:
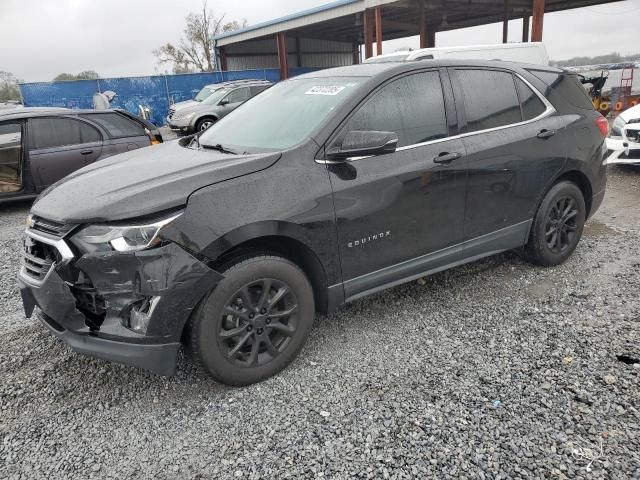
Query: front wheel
[
  {"x": 254, "y": 322},
  {"x": 557, "y": 226}
]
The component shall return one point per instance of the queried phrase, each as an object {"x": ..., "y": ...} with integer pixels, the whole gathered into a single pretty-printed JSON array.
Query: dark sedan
[{"x": 39, "y": 146}]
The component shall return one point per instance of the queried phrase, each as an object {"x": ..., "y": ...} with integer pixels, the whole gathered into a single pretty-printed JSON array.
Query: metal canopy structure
[{"x": 332, "y": 34}]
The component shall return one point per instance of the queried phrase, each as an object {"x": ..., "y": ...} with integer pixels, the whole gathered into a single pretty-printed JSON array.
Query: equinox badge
[{"x": 370, "y": 238}]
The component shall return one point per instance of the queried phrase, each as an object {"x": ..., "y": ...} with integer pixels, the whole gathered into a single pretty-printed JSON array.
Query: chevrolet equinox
[{"x": 321, "y": 190}]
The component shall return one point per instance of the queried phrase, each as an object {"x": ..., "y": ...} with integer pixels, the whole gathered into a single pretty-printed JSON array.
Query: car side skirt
[{"x": 507, "y": 238}]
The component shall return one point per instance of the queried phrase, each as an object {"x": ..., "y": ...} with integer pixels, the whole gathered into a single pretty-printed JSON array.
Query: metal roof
[{"x": 341, "y": 21}]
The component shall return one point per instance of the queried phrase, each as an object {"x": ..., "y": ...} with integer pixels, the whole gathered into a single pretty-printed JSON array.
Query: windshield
[
  {"x": 215, "y": 97},
  {"x": 202, "y": 94},
  {"x": 282, "y": 116}
]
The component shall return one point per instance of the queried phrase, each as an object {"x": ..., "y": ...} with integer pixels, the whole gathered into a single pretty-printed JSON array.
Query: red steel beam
[
  {"x": 537, "y": 20},
  {"x": 505, "y": 22},
  {"x": 423, "y": 27},
  {"x": 368, "y": 33},
  {"x": 283, "y": 56},
  {"x": 378, "y": 15}
]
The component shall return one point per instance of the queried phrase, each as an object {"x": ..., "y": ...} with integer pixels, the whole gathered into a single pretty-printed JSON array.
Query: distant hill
[{"x": 598, "y": 60}]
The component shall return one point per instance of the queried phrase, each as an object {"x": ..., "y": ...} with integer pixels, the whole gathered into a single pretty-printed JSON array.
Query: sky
[{"x": 42, "y": 38}]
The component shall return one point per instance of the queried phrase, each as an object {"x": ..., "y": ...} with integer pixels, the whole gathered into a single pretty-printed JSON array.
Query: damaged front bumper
[
  {"x": 126, "y": 307},
  {"x": 625, "y": 149}
]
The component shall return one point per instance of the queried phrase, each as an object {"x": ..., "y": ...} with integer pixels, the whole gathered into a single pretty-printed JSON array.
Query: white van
[{"x": 531, "y": 52}]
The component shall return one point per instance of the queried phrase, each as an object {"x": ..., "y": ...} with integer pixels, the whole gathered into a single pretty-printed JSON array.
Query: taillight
[{"x": 603, "y": 125}]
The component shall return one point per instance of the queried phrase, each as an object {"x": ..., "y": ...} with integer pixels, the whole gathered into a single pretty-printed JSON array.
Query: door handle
[
  {"x": 544, "y": 133},
  {"x": 86, "y": 152},
  {"x": 446, "y": 157}
]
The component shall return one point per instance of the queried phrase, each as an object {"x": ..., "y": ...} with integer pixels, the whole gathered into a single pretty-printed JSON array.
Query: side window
[
  {"x": 566, "y": 86},
  {"x": 59, "y": 132},
  {"x": 531, "y": 104},
  {"x": 257, "y": 89},
  {"x": 490, "y": 99},
  {"x": 116, "y": 125},
  {"x": 10, "y": 157},
  {"x": 412, "y": 107},
  {"x": 238, "y": 95}
]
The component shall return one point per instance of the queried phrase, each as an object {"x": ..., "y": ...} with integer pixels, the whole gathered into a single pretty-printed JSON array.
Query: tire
[
  {"x": 557, "y": 226},
  {"x": 204, "y": 123},
  {"x": 235, "y": 334}
]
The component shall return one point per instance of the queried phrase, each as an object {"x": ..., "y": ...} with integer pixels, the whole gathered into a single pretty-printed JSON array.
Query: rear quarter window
[
  {"x": 565, "y": 86},
  {"x": 116, "y": 125}
]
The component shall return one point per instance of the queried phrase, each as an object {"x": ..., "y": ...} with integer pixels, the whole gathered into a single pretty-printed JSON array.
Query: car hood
[
  {"x": 631, "y": 113},
  {"x": 187, "y": 103},
  {"x": 142, "y": 182},
  {"x": 197, "y": 107}
]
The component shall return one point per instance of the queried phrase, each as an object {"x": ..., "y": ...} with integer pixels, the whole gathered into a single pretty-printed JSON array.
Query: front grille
[
  {"x": 37, "y": 258},
  {"x": 50, "y": 227},
  {"x": 172, "y": 110}
]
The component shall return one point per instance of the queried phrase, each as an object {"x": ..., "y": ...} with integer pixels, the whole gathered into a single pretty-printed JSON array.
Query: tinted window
[
  {"x": 532, "y": 106},
  {"x": 238, "y": 95},
  {"x": 412, "y": 107},
  {"x": 257, "y": 89},
  {"x": 117, "y": 125},
  {"x": 58, "y": 132},
  {"x": 566, "y": 86},
  {"x": 489, "y": 98}
]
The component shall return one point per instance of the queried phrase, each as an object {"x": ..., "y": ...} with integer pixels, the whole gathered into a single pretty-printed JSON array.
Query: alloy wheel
[
  {"x": 204, "y": 125},
  {"x": 561, "y": 225},
  {"x": 258, "y": 322}
]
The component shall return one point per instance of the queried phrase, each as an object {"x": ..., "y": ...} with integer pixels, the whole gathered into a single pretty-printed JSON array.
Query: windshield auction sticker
[{"x": 325, "y": 90}]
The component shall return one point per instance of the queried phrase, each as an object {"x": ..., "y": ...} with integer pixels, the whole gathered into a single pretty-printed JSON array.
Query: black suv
[
  {"x": 39, "y": 146},
  {"x": 321, "y": 190}
]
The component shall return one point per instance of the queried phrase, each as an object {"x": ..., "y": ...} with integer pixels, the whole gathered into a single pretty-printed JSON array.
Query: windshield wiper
[{"x": 218, "y": 147}]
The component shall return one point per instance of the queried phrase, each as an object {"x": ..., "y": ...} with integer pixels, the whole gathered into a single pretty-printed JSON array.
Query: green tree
[
  {"x": 195, "y": 50},
  {"x": 85, "y": 75}
]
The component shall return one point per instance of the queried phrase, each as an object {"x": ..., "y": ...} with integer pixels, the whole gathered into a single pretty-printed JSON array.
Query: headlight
[
  {"x": 184, "y": 116},
  {"x": 618, "y": 125},
  {"x": 122, "y": 238}
]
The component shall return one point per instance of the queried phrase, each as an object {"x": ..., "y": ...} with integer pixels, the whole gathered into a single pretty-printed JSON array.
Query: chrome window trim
[{"x": 550, "y": 110}]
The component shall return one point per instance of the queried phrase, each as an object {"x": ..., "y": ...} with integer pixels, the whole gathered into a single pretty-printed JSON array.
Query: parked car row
[
  {"x": 211, "y": 104},
  {"x": 39, "y": 146},
  {"x": 324, "y": 188}
]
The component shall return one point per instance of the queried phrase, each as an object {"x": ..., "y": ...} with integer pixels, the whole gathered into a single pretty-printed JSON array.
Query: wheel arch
[
  {"x": 284, "y": 239},
  {"x": 206, "y": 116},
  {"x": 583, "y": 183}
]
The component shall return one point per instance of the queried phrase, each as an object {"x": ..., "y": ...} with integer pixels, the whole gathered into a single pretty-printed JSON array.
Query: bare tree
[
  {"x": 195, "y": 50},
  {"x": 8, "y": 87}
]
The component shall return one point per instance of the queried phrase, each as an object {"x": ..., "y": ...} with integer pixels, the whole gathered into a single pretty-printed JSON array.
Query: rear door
[
  {"x": 59, "y": 146},
  {"x": 395, "y": 211},
  {"x": 514, "y": 147},
  {"x": 123, "y": 134}
]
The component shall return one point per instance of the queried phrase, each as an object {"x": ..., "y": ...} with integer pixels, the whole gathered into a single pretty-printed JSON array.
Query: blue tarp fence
[{"x": 156, "y": 92}]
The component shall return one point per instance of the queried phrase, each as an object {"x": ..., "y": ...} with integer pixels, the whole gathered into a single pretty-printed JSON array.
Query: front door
[
  {"x": 59, "y": 146},
  {"x": 400, "y": 214}
]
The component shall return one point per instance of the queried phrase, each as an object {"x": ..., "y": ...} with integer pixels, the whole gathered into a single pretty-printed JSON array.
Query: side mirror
[
  {"x": 360, "y": 143},
  {"x": 223, "y": 102}
]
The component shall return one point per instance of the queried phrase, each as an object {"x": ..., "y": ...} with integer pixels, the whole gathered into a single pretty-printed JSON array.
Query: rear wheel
[
  {"x": 557, "y": 226},
  {"x": 254, "y": 322}
]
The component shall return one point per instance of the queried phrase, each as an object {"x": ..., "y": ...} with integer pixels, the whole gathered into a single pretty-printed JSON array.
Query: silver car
[{"x": 226, "y": 98}]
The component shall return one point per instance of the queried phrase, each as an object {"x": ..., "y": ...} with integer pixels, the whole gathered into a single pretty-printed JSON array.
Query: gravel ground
[{"x": 493, "y": 370}]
